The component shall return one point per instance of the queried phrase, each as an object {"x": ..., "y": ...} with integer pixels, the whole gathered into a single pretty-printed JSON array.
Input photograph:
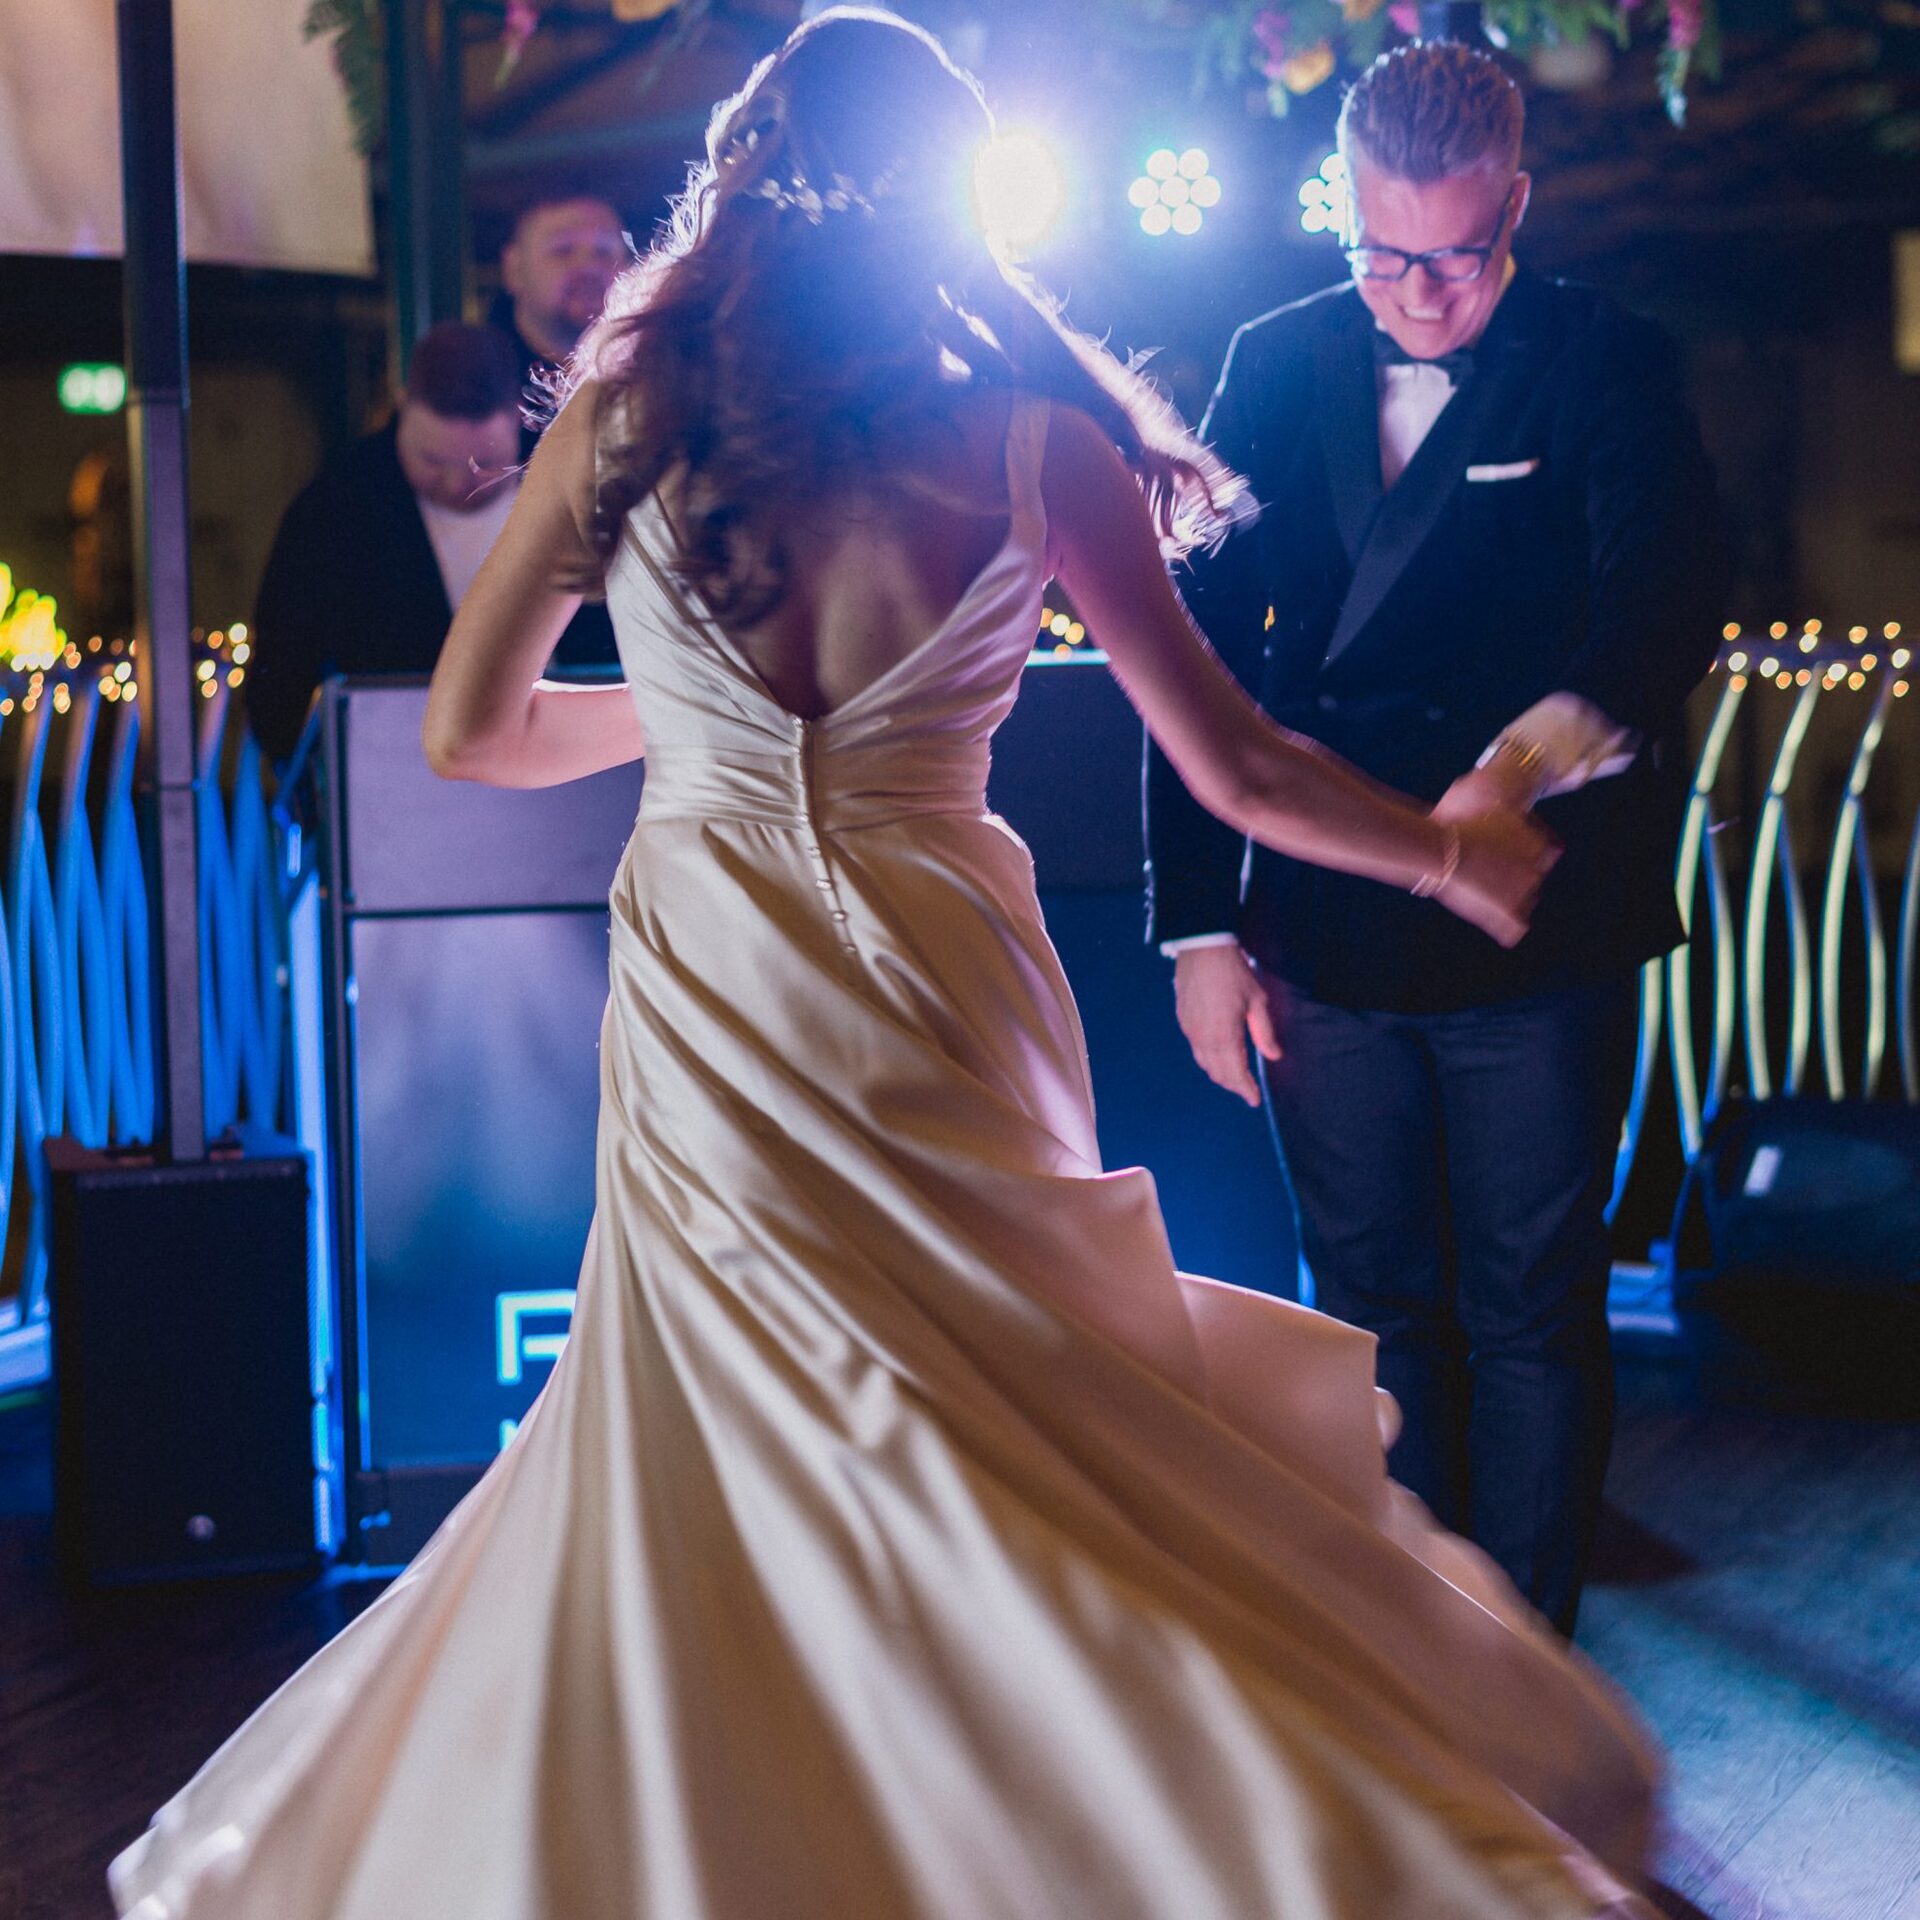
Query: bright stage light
[
  {"x": 1172, "y": 189},
  {"x": 1323, "y": 199},
  {"x": 1019, "y": 190}
]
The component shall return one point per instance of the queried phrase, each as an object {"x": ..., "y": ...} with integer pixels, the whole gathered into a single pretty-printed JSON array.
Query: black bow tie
[{"x": 1388, "y": 352}]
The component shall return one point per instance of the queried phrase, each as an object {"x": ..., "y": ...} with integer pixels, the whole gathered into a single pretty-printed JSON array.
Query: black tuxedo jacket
[
  {"x": 1406, "y": 629},
  {"x": 352, "y": 586}
]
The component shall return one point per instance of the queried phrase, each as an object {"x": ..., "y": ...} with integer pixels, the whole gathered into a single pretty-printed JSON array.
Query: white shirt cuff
[
  {"x": 1577, "y": 742},
  {"x": 1174, "y": 948}
]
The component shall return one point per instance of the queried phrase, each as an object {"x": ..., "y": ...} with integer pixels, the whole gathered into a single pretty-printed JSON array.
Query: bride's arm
[
  {"x": 1287, "y": 792},
  {"x": 490, "y": 716}
]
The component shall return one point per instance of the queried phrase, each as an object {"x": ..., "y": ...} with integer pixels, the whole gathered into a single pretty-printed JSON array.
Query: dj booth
[{"x": 455, "y": 968}]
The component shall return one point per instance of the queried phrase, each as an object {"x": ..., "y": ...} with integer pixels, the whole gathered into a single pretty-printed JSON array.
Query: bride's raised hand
[{"x": 1495, "y": 883}]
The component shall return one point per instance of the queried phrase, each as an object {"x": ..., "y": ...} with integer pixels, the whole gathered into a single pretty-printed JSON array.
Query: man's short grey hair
[{"x": 1432, "y": 110}]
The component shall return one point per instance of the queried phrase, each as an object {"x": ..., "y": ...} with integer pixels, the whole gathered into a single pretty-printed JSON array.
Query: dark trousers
[{"x": 1450, "y": 1172}]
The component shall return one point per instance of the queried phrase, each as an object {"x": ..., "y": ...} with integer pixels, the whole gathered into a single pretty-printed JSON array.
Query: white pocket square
[{"x": 1513, "y": 470}]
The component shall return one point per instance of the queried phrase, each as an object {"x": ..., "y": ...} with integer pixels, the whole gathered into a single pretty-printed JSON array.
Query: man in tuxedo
[
  {"x": 1487, "y": 568},
  {"x": 375, "y": 554}
]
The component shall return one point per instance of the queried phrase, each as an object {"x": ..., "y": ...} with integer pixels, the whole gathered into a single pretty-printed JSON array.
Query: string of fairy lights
[
  {"x": 1788, "y": 660},
  {"x": 1782, "y": 656},
  {"x": 39, "y": 661}
]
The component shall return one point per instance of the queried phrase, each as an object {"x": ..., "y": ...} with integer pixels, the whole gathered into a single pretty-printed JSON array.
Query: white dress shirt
[
  {"x": 1575, "y": 740},
  {"x": 461, "y": 540}
]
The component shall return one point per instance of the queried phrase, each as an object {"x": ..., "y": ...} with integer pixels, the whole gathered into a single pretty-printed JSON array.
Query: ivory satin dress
[{"x": 899, "y": 1536}]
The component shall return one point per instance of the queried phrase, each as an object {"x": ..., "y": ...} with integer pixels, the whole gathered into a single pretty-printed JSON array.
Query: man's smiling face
[{"x": 1429, "y": 316}]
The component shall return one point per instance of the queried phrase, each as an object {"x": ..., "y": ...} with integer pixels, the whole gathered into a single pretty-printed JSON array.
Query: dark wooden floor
[{"x": 1760, "y": 1598}]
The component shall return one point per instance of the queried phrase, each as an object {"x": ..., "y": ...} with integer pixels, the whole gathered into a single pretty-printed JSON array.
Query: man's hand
[{"x": 1222, "y": 1002}]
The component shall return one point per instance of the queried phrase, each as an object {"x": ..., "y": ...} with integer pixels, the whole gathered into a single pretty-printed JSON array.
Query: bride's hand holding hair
[{"x": 1288, "y": 792}]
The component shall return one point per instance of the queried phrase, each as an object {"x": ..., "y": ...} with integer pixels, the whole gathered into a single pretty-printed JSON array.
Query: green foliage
[
  {"x": 1285, "y": 43},
  {"x": 355, "y": 28}
]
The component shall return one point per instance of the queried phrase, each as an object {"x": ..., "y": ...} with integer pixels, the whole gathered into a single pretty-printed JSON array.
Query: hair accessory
[
  {"x": 1431, "y": 883},
  {"x": 845, "y": 195}
]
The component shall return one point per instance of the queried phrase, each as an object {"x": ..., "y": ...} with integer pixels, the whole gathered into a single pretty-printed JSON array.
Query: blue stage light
[
  {"x": 1323, "y": 198},
  {"x": 1173, "y": 190}
]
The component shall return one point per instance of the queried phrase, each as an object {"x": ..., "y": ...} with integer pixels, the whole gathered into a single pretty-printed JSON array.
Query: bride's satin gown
[{"x": 899, "y": 1537}]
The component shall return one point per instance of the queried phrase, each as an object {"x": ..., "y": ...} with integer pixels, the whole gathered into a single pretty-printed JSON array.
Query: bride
[{"x": 899, "y": 1536}]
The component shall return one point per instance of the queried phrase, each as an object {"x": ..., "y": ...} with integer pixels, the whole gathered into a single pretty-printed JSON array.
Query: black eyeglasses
[{"x": 1455, "y": 264}]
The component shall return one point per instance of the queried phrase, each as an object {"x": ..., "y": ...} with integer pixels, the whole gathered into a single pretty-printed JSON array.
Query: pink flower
[
  {"x": 1405, "y": 16},
  {"x": 1270, "y": 29},
  {"x": 522, "y": 22},
  {"x": 1685, "y": 19}
]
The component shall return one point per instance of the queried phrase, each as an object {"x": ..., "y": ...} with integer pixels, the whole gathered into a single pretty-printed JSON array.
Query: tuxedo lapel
[
  {"x": 1346, "y": 419},
  {"x": 1410, "y": 509}
]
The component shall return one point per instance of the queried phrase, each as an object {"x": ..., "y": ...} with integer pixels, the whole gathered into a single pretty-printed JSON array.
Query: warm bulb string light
[
  {"x": 1789, "y": 658},
  {"x": 38, "y": 661}
]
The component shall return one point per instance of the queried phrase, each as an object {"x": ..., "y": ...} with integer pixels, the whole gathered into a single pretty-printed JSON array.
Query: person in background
[
  {"x": 1488, "y": 571},
  {"x": 555, "y": 273},
  {"x": 377, "y": 552}
]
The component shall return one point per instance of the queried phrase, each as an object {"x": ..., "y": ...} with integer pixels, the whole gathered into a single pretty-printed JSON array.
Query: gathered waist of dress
[{"x": 815, "y": 784}]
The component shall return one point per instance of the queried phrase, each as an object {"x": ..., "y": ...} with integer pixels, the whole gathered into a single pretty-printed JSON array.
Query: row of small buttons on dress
[{"x": 823, "y": 874}]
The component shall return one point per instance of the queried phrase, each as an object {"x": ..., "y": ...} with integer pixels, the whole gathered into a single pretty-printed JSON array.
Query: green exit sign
[{"x": 88, "y": 387}]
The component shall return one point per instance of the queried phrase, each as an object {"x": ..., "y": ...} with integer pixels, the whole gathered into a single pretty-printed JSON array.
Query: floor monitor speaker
[
  {"x": 1797, "y": 1253},
  {"x": 183, "y": 1403}
]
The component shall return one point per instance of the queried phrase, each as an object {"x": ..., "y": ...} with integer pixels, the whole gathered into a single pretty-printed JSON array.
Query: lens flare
[{"x": 1019, "y": 190}]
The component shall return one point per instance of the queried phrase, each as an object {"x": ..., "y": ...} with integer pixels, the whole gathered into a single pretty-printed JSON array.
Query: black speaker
[
  {"x": 183, "y": 1400},
  {"x": 1797, "y": 1254}
]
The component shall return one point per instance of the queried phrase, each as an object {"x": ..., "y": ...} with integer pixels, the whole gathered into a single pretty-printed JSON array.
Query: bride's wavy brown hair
[{"x": 759, "y": 352}]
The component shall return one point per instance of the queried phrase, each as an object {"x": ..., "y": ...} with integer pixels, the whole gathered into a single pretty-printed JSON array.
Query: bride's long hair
[{"x": 820, "y": 281}]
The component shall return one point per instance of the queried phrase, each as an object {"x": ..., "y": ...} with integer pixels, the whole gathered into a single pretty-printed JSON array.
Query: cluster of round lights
[
  {"x": 233, "y": 642},
  {"x": 1849, "y": 671},
  {"x": 1174, "y": 191},
  {"x": 1323, "y": 199},
  {"x": 1061, "y": 631}
]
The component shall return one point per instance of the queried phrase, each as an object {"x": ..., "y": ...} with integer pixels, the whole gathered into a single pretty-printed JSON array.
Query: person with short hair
[
  {"x": 1488, "y": 570},
  {"x": 378, "y": 550},
  {"x": 556, "y": 270}
]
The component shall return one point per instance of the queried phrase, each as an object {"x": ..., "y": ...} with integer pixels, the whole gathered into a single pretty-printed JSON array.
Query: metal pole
[
  {"x": 426, "y": 204},
  {"x": 156, "y": 349}
]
